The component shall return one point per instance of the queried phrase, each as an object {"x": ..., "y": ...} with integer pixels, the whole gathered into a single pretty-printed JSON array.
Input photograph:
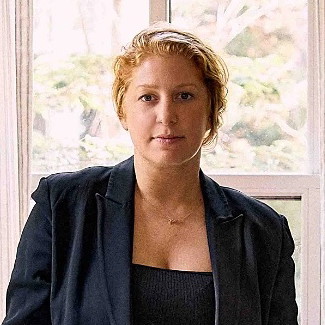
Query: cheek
[
  {"x": 206, "y": 118},
  {"x": 138, "y": 123}
]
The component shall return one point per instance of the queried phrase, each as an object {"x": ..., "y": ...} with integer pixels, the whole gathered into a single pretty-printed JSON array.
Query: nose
[{"x": 166, "y": 112}]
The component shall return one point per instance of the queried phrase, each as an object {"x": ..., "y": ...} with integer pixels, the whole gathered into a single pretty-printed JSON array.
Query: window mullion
[
  {"x": 317, "y": 119},
  {"x": 315, "y": 87},
  {"x": 159, "y": 10},
  {"x": 24, "y": 59}
]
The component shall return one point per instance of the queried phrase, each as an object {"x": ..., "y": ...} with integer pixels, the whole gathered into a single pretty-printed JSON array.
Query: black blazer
[{"x": 74, "y": 258}]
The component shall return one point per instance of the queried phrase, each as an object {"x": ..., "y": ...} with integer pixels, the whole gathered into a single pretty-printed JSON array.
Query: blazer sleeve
[
  {"x": 284, "y": 309},
  {"x": 28, "y": 294}
]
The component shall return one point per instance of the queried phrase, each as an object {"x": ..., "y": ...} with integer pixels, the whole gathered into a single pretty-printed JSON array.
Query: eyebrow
[
  {"x": 147, "y": 86},
  {"x": 178, "y": 86}
]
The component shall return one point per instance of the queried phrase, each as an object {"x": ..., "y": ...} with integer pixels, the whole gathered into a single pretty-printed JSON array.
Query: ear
[
  {"x": 122, "y": 118},
  {"x": 124, "y": 123},
  {"x": 209, "y": 123}
]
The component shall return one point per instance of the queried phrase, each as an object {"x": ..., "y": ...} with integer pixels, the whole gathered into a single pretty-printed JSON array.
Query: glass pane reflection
[{"x": 264, "y": 129}]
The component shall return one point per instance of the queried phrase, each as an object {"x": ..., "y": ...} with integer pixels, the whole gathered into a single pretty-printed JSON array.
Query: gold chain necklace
[{"x": 171, "y": 221}]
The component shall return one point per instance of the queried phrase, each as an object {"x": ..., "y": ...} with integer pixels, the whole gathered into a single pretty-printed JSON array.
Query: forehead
[{"x": 169, "y": 68}]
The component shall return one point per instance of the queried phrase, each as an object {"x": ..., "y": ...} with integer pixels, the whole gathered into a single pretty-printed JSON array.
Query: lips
[{"x": 168, "y": 138}]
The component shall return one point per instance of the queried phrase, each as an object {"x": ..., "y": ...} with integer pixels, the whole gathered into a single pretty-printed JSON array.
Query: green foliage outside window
[{"x": 265, "y": 122}]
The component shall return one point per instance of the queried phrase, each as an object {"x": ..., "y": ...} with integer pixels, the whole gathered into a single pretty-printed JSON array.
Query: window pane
[
  {"x": 265, "y": 123},
  {"x": 74, "y": 41},
  {"x": 291, "y": 208}
]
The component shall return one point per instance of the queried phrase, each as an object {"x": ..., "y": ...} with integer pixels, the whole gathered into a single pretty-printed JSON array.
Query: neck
[{"x": 168, "y": 185}]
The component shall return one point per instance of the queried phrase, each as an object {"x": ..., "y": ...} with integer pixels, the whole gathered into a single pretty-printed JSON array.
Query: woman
[{"x": 153, "y": 240}]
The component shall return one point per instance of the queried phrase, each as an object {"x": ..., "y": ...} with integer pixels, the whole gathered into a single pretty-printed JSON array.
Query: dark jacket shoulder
[
  {"x": 241, "y": 201},
  {"x": 256, "y": 213},
  {"x": 82, "y": 182}
]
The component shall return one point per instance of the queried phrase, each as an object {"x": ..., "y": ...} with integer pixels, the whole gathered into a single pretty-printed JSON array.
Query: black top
[{"x": 161, "y": 296}]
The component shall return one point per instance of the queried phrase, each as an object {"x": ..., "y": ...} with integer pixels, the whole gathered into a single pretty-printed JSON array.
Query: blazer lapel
[
  {"x": 224, "y": 238},
  {"x": 115, "y": 240}
]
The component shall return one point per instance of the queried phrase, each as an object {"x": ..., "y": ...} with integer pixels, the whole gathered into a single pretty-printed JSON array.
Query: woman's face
[{"x": 166, "y": 109}]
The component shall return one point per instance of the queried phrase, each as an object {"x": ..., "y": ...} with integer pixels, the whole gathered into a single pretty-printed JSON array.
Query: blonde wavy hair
[{"x": 162, "y": 41}]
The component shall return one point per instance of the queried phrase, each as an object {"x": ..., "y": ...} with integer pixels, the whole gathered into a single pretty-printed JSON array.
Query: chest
[{"x": 178, "y": 245}]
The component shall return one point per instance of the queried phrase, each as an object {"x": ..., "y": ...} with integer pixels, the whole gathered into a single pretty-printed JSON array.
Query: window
[
  {"x": 74, "y": 121},
  {"x": 270, "y": 147},
  {"x": 266, "y": 123}
]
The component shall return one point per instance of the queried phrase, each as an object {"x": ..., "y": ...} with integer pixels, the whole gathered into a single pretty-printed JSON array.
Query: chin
[{"x": 170, "y": 161}]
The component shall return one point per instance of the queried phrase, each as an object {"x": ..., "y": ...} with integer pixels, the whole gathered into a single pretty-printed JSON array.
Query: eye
[
  {"x": 184, "y": 96},
  {"x": 146, "y": 98}
]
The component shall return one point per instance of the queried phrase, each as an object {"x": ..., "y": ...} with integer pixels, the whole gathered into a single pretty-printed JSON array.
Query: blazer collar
[
  {"x": 121, "y": 183},
  {"x": 214, "y": 199},
  {"x": 115, "y": 244},
  {"x": 224, "y": 231}
]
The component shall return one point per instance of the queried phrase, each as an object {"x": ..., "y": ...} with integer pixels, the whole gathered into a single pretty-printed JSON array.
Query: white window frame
[{"x": 310, "y": 187}]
